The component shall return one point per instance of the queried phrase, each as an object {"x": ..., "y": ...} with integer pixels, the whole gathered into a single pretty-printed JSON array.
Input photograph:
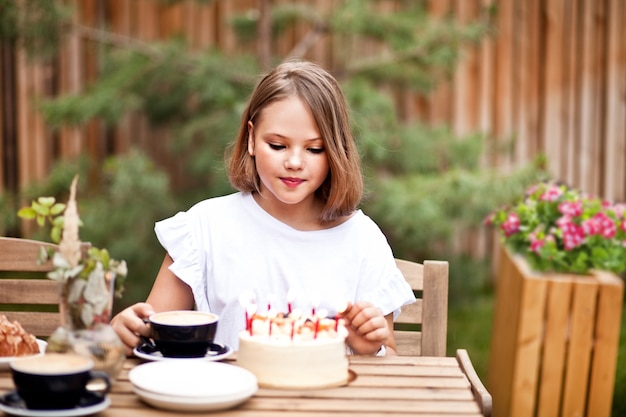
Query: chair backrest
[
  {"x": 421, "y": 328},
  {"x": 31, "y": 299}
]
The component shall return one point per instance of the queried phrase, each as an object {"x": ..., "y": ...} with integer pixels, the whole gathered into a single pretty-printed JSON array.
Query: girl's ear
[{"x": 250, "y": 138}]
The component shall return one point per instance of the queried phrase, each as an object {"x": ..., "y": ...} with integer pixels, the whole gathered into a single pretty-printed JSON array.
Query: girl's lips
[{"x": 292, "y": 182}]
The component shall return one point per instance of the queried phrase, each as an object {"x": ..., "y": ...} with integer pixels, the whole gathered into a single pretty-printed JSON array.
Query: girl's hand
[
  {"x": 367, "y": 328},
  {"x": 129, "y": 325}
]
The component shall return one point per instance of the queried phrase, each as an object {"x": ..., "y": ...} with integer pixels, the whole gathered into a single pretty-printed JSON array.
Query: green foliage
[
  {"x": 37, "y": 25},
  {"x": 415, "y": 51},
  {"x": 422, "y": 213},
  {"x": 46, "y": 211}
]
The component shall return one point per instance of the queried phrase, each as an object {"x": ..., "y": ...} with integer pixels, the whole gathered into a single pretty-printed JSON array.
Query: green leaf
[
  {"x": 40, "y": 209},
  {"x": 46, "y": 201},
  {"x": 27, "y": 213},
  {"x": 41, "y": 220},
  {"x": 57, "y": 209},
  {"x": 55, "y": 234}
]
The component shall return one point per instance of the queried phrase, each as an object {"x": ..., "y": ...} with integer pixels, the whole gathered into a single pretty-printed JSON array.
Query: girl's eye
[
  {"x": 316, "y": 150},
  {"x": 276, "y": 147}
]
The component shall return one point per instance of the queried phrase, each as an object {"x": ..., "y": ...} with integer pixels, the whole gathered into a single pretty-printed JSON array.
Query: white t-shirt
[{"x": 225, "y": 246}]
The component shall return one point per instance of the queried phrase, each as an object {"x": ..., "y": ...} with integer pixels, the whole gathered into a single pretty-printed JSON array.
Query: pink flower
[
  {"x": 511, "y": 225},
  {"x": 551, "y": 194},
  {"x": 563, "y": 221},
  {"x": 624, "y": 225},
  {"x": 571, "y": 208},
  {"x": 536, "y": 245},
  {"x": 619, "y": 209},
  {"x": 600, "y": 224},
  {"x": 573, "y": 235}
]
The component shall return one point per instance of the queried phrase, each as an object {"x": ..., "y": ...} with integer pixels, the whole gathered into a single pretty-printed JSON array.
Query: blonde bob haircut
[{"x": 342, "y": 190}]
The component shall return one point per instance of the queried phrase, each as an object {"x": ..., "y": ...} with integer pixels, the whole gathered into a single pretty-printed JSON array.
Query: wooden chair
[
  {"x": 482, "y": 396},
  {"x": 26, "y": 294},
  {"x": 421, "y": 328}
]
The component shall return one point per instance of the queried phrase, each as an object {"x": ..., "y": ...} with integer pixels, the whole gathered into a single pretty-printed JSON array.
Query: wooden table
[{"x": 384, "y": 386}]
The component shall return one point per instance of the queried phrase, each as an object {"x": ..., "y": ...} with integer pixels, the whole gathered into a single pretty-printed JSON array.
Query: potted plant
[
  {"x": 559, "y": 229},
  {"x": 89, "y": 280},
  {"x": 558, "y": 303}
]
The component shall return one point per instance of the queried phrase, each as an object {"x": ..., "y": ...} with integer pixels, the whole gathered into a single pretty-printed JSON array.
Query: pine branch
[
  {"x": 308, "y": 41},
  {"x": 115, "y": 39}
]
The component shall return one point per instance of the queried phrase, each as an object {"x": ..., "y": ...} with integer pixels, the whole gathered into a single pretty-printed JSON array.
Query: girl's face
[{"x": 289, "y": 152}]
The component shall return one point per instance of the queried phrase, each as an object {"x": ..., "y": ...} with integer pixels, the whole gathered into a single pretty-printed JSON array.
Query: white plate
[
  {"x": 198, "y": 386},
  {"x": 6, "y": 360},
  {"x": 20, "y": 410},
  {"x": 145, "y": 352}
]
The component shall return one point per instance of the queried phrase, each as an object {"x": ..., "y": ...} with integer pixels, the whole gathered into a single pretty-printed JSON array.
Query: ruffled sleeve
[
  {"x": 392, "y": 294},
  {"x": 176, "y": 235}
]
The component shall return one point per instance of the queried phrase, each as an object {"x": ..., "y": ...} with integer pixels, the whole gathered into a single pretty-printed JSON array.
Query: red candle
[
  {"x": 250, "y": 311},
  {"x": 289, "y": 301},
  {"x": 314, "y": 303},
  {"x": 271, "y": 314},
  {"x": 245, "y": 299},
  {"x": 320, "y": 315},
  {"x": 293, "y": 328}
]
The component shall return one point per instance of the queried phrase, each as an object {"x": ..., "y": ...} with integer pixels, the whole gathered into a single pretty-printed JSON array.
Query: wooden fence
[{"x": 553, "y": 78}]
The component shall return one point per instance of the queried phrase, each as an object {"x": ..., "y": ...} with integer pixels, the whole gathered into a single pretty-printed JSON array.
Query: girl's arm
[{"x": 168, "y": 293}]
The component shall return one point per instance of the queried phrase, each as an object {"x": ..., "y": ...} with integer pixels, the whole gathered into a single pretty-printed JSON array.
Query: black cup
[
  {"x": 183, "y": 333},
  {"x": 56, "y": 380}
]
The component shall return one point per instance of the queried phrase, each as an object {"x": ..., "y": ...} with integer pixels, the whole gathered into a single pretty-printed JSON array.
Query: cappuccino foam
[
  {"x": 183, "y": 318},
  {"x": 53, "y": 364}
]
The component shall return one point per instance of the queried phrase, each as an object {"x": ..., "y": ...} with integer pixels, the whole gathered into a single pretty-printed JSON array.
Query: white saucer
[
  {"x": 173, "y": 403},
  {"x": 192, "y": 386},
  {"x": 6, "y": 360},
  {"x": 21, "y": 410},
  {"x": 149, "y": 354}
]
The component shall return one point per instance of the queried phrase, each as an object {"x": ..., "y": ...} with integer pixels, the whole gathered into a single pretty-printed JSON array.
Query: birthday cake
[{"x": 294, "y": 351}]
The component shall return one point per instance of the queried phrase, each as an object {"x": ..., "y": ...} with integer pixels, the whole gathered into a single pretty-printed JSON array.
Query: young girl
[{"x": 292, "y": 233}]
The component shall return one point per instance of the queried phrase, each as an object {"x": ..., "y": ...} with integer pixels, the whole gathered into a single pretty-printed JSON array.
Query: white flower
[
  {"x": 96, "y": 293},
  {"x": 75, "y": 290}
]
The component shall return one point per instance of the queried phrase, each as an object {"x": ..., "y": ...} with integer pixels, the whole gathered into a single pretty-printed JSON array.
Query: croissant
[{"x": 14, "y": 340}]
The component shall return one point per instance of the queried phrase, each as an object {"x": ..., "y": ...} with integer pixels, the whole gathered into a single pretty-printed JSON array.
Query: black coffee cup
[
  {"x": 183, "y": 333},
  {"x": 56, "y": 380}
]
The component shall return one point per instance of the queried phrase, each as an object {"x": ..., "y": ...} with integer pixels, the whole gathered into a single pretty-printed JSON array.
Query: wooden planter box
[{"x": 554, "y": 342}]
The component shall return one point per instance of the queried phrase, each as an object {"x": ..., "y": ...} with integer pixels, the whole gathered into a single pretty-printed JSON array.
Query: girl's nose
[{"x": 294, "y": 160}]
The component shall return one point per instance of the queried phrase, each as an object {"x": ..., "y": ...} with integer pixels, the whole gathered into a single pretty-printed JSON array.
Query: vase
[
  {"x": 554, "y": 342},
  {"x": 86, "y": 308}
]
